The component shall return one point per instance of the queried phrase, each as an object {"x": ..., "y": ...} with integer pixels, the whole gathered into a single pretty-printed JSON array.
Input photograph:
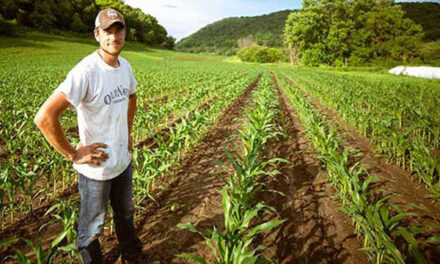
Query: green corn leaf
[
  {"x": 264, "y": 227},
  {"x": 188, "y": 226},
  {"x": 59, "y": 238},
  {"x": 6, "y": 242}
]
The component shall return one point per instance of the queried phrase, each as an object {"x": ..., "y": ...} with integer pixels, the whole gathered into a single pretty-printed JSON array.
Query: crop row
[
  {"x": 380, "y": 222},
  {"x": 234, "y": 244},
  {"x": 400, "y": 117},
  {"x": 150, "y": 163},
  {"x": 153, "y": 163},
  {"x": 30, "y": 168}
]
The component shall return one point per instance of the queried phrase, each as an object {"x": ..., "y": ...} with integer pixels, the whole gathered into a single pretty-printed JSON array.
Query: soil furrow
[
  {"x": 396, "y": 179},
  {"x": 411, "y": 195},
  {"x": 26, "y": 227},
  {"x": 193, "y": 197},
  {"x": 19, "y": 228},
  {"x": 316, "y": 231}
]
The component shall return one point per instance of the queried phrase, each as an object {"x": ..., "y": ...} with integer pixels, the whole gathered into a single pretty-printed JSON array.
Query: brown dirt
[
  {"x": 401, "y": 182},
  {"x": 20, "y": 227},
  {"x": 195, "y": 193},
  {"x": 394, "y": 179},
  {"x": 199, "y": 171},
  {"x": 316, "y": 231}
]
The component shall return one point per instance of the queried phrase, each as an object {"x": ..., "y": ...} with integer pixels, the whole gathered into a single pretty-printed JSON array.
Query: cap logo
[{"x": 112, "y": 14}]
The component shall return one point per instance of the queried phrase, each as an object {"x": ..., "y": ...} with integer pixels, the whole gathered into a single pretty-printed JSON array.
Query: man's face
[{"x": 112, "y": 39}]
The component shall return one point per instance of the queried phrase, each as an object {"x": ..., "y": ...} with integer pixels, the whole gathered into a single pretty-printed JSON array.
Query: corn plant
[
  {"x": 233, "y": 245},
  {"x": 400, "y": 116},
  {"x": 379, "y": 221}
]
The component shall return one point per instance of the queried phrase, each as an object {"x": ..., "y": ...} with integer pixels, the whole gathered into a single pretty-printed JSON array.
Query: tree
[
  {"x": 79, "y": 16},
  {"x": 362, "y": 31},
  {"x": 8, "y": 9},
  {"x": 77, "y": 24}
]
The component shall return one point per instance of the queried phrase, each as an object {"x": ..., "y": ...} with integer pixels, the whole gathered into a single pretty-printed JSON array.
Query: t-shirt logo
[
  {"x": 116, "y": 96},
  {"x": 112, "y": 14}
]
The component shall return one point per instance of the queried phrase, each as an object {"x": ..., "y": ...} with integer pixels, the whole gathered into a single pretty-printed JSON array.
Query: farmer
[{"x": 102, "y": 88}]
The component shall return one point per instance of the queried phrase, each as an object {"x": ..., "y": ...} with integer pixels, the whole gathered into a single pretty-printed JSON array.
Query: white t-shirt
[{"x": 100, "y": 94}]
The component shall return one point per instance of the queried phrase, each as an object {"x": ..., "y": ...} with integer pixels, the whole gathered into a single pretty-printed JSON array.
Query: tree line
[
  {"x": 358, "y": 32},
  {"x": 79, "y": 16}
]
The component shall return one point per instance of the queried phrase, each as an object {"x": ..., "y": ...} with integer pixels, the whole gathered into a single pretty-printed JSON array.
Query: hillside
[{"x": 222, "y": 36}]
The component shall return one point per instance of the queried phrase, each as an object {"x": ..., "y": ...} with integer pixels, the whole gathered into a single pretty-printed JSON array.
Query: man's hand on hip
[{"x": 90, "y": 154}]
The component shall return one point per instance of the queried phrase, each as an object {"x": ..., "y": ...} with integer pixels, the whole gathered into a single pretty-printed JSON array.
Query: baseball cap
[{"x": 107, "y": 17}]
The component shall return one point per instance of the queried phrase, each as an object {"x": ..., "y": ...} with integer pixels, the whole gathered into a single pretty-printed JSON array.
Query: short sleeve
[
  {"x": 75, "y": 86},
  {"x": 133, "y": 82}
]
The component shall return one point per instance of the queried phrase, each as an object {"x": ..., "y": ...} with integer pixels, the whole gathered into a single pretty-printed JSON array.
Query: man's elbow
[{"x": 40, "y": 119}]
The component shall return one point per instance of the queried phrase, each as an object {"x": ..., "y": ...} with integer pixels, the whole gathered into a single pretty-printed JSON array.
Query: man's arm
[
  {"x": 130, "y": 117},
  {"x": 47, "y": 120}
]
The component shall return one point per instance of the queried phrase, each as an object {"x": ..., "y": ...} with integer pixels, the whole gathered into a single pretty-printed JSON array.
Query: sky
[{"x": 184, "y": 17}]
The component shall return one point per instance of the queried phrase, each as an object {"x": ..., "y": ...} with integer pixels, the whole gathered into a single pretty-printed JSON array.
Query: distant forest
[
  {"x": 222, "y": 37},
  {"x": 79, "y": 16}
]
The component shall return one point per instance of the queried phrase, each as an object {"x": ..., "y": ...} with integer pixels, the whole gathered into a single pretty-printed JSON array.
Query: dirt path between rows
[
  {"x": 195, "y": 195},
  {"x": 316, "y": 231},
  {"x": 395, "y": 180},
  {"x": 28, "y": 223},
  {"x": 27, "y": 226},
  {"x": 409, "y": 190}
]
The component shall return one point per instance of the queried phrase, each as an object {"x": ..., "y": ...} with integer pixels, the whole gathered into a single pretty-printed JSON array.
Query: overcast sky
[{"x": 184, "y": 17}]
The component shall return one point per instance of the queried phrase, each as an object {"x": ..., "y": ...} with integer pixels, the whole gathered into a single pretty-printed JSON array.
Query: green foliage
[
  {"x": 7, "y": 28},
  {"x": 234, "y": 244},
  {"x": 267, "y": 30},
  {"x": 222, "y": 36},
  {"x": 77, "y": 24},
  {"x": 79, "y": 16},
  {"x": 376, "y": 218},
  {"x": 425, "y": 14},
  {"x": 259, "y": 54},
  {"x": 431, "y": 52},
  {"x": 330, "y": 32}
]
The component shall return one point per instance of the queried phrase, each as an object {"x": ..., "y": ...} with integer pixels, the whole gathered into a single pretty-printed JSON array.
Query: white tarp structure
[{"x": 421, "y": 71}]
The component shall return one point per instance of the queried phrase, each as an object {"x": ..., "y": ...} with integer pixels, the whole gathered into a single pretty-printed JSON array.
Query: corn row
[
  {"x": 233, "y": 245},
  {"x": 374, "y": 216},
  {"x": 400, "y": 117}
]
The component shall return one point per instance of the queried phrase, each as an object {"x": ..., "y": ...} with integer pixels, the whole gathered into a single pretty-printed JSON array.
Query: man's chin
[{"x": 113, "y": 52}]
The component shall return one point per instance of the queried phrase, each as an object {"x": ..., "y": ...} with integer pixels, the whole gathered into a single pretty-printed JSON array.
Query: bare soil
[
  {"x": 393, "y": 178},
  {"x": 195, "y": 194},
  {"x": 316, "y": 231}
]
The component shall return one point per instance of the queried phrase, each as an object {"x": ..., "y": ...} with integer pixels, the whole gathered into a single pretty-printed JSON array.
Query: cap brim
[{"x": 107, "y": 25}]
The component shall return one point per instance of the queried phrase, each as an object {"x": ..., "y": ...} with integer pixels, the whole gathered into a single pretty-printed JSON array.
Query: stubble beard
[{"x": 114, "y": 51}]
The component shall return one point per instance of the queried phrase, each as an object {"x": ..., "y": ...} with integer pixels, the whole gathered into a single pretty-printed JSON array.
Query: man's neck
[{"x": 111, "y": 60}]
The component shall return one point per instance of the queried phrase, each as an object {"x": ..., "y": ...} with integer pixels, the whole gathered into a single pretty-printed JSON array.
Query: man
[{"x": 102, "y": 89}]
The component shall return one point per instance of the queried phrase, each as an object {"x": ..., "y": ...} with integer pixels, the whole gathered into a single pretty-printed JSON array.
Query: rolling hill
[{"x": 222, "y": 36}]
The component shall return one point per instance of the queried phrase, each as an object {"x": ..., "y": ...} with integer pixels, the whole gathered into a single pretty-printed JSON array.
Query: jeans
[{"x": 94, "y": 199}]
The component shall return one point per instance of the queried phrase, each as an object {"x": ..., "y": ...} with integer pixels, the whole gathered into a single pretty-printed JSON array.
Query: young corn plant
[
  {"x": 379, "y": 221},
  {"x": 404, "y": 126},
  {"x": 67, "y": 215},
  {"x": 233, "y": 245}
]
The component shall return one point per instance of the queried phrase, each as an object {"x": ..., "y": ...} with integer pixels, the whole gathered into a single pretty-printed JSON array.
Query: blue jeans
[{"x": 95, "y": 196}]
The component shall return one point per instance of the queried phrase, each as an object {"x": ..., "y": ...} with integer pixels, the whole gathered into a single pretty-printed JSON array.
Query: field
[{"x": 233, "y": 162}]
